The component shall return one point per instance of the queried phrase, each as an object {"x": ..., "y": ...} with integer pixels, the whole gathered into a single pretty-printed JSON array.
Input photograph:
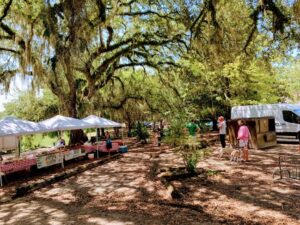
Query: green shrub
[
  {"x": 141, "y": 132},
  {"x": 27, "y": 143},
  {"x": 175, "y": 135},
  {"x": 191, "y": 149},
  {"x": 191, "y": 155}
]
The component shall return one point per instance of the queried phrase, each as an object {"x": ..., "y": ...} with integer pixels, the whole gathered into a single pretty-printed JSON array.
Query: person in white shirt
[
  {"x": 60, "y": 143},
  {"x": 222, "y": 130}
]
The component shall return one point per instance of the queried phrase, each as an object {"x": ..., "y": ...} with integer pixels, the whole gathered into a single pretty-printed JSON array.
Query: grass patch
[
  {"x": 35, "y": 141},
  {"x": 212, "y": 172}
]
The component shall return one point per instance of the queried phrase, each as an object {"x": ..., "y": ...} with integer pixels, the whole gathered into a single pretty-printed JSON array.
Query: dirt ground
[{"x": 125, "y": 192}]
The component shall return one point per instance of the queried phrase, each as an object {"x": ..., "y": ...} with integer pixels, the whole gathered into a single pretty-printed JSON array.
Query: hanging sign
[{"x": 49, "y": 159}]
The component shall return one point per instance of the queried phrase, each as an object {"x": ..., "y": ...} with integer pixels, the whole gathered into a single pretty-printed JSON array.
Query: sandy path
[{"x": 124, "y": 192}]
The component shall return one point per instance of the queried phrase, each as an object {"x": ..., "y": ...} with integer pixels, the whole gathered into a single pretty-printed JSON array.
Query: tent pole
[
  {"x": 97, "y": 143},
  {"x": 61, "y": 154},
  {"x": 122, "y": 136},
  {"x": 18, "y": 152},
  {"x": 62, "y": 157}
]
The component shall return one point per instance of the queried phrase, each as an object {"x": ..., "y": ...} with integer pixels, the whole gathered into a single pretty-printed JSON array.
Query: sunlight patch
[{"x": 102, "y": 221}]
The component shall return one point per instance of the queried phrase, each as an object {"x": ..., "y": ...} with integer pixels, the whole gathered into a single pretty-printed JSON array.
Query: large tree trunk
[{"x": 76, "y": 136}]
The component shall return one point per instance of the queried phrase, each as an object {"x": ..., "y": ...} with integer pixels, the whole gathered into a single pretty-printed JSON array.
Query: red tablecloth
[
  {"x": 30, "y": 160},
  {"x": 101, "y": 147},
  {"x": 89, "y": 148},
  {"x": 17, "y": 165}
]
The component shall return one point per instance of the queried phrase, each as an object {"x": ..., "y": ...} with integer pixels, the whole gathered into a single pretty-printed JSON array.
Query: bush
[
  {"x": 191, "y": 155},
  {"x": 141, "y": 132},
  {"x": 175, "y": 135},
  {"x": 191, "y": 150},
  {"x": 27, "y": 143}
]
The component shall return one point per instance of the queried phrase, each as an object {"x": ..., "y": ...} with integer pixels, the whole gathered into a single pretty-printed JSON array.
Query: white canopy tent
[
  {"x": 99, "y": 122},
  {"x": 12, "y": 128},
  {"x": 61, "y": 123}
]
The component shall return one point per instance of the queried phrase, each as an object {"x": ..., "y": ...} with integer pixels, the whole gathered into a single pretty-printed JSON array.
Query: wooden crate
[{"x": 262, "y": 131}]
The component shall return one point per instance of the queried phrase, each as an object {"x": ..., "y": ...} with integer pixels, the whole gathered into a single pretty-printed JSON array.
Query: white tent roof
[
  {"x": 63, "y": 123},
  {"x": 12, "y": 126},
  {"x": 99, "y": 122}
]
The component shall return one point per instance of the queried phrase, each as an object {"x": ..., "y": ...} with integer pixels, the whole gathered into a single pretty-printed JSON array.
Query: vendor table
[
  {"x": 16, "y": 165},
  {"x": 101, "y": 147},
  {"x": 11, "y": 166},
  {"x": 49, "y": 159},
  {"x": 74, "y": 152},
  {"x": 45, "y": 157}
]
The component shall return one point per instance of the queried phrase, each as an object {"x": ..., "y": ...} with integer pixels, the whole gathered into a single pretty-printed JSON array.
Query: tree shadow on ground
[
  {"x": 110, "y": 212},
  {"x": 121, "y": 192}
]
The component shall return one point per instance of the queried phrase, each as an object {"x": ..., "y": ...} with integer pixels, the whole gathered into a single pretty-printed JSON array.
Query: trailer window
[{"x": 290, "y": 117}]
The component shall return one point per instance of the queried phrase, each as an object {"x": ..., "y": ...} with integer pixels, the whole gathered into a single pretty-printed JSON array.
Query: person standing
[
  {"x": 60, "y": 143},
  {"x": 222, "y": 130},
  {"x": 192, "y": 128},
  {"x": 243, "y": 138},
  {"x": 108, "y": 141},
  {"x": 156, "y": 137}
]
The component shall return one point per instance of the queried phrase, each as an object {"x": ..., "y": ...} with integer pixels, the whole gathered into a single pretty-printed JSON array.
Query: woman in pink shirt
[{"x": 243, "y": 137}]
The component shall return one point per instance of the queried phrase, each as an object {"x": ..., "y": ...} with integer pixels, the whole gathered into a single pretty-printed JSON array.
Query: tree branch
[
  {"x": 110, "y": 35},
  {"x": 7, "y": 29},
  {"x": 143, "y": 13},
  {"x": 128, "y": 3},
  {"x": 123, "y": 102},
  {"x": 6, "y": 9},
  {"x": 279, "y": 21},
  {"x": 9, "y": 50},
  {"x": 102, "y": 10},
  {"x": 120, "y": 80}
]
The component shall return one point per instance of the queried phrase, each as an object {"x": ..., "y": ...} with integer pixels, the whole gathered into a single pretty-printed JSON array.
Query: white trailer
[{"x": 287, "y": 118}]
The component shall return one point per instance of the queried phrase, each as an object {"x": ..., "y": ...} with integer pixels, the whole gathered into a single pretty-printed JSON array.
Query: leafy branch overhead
[
  {"x": 261, "y": 12},
  {"x": 70, "y": 40},
  {"x": 80, "y": 50}
]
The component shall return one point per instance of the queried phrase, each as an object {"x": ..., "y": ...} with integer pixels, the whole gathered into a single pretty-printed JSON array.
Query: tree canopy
[{"x": 151, "y": 56}]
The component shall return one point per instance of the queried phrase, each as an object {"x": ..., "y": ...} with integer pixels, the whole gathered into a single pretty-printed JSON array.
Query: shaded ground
[{"x": 126, "y": 192}]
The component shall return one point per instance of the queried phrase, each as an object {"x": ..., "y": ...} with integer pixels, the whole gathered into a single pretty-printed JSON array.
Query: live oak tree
[
  {"x": 234, "y": 46},
  {"x": 147, "y": 98},
  {"x": 76, "y": 47}
]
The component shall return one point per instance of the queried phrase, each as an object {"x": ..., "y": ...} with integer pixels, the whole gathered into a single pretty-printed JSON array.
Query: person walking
[
  {"x": 222, "y": 130},
  {"x": 243, "y": 138}
]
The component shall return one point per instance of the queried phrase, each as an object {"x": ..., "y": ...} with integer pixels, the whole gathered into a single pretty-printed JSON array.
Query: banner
[
  {"x": 72, "y": 154},
  {"x": 49, "y": 159}
]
